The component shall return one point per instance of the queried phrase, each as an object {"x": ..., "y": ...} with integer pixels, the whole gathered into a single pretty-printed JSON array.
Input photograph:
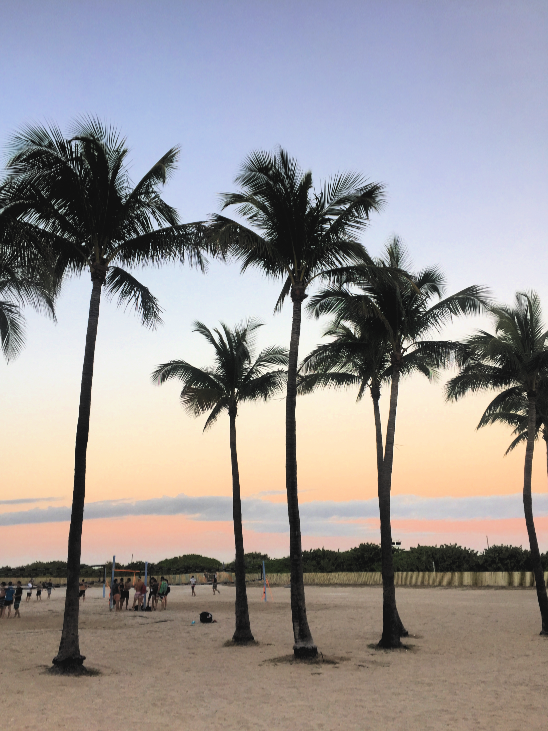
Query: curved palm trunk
[
  {"x": 69, "y": 658},
  {"x": 390, "y": 619},
  {"x": 529, "y": 521},
  {"x": 242, "y": 634},
  {"x": 304, "y": 644},
  {"x": 375, "y": 396}
]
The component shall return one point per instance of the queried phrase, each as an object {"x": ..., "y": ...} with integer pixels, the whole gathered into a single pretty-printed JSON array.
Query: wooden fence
[{"x": 365, "y": 578}]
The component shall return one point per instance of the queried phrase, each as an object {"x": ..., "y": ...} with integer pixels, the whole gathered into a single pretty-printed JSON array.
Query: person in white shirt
[
  {"x": 29, "y": 590},
  {"x": 193, "y": 584}
]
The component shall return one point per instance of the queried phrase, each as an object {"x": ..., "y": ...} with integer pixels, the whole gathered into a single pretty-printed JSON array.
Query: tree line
[
  {"x": 365, "y": 557},
  {"x": 68, "y": 207}
]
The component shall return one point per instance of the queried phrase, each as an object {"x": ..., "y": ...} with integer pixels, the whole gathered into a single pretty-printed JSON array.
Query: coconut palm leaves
[
  {"x": 514, "y": 361},
  {"x": 295, "y": 233},
  {"x": 25, "y": 281},
  {"x": 74, "y": 200},
  {"x": 512, "y": 409},
  {"x": 237, "y": 376},
  {"x": 397, "y": 309}
]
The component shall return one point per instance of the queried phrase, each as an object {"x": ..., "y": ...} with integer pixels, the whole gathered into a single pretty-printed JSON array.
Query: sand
[{"x": 476, "y": 661}]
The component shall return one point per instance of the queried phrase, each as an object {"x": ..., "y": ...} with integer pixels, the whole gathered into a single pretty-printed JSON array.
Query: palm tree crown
[
  {"x": 513, "y": 358},
  {"x": 75, "y": 195},
  {"x": 297, "y": 233},
  {"x": 401, "y": 302},
  {"x": 236, "y": 376}
]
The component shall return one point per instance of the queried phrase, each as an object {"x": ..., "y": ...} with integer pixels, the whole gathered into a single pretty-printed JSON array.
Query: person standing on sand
[
  {"x": 215, "y": 590},
  {"x": 193, "y": 584},
  {"x": 2, "y": 598},
  {"x": 8, "y": 599},
  {"x": 17, "y": 599},
  {"x": 140, "y": 591},
  {"x": 125, "y": 594},
  {"x": 83, "y": 587},
  {"x": 116, "y": 594},
  {"x": 153, "y": 595},
  {"x": 162, "y": 592},
  {"x": 29, "y": 590},
  {"x": 39, "y": 592},
  {"x": 49, "y": 587}
]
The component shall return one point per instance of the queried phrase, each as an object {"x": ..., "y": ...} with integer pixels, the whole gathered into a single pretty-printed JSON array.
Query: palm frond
[
  {"x": 132, "y": 293},
  {"x": 12, "y": 329}
]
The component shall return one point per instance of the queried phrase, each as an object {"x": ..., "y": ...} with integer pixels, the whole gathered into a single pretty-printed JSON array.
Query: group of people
[
  {"x": 119, "y": 593},
  {"x": 12, "y": 595}
]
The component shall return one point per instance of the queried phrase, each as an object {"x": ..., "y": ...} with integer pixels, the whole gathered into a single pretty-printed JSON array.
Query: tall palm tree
[
  {"x": 76, "y": 198},
  {"x": 297, "y": 234},
  {"x": 392, "y": 297},
  {"x": 514, "y": 361},
  {"x": 236, "y": 377}
]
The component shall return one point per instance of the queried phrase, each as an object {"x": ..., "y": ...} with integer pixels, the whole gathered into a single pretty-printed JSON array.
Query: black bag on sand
[{"x": 206, "y": 618}]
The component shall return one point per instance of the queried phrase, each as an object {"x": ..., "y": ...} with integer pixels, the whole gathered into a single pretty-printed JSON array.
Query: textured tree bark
[
  {"x": 69, "y": 659},
  {"x": 529, "y": 521},
  {"x": 242, "y": 633},
  {"x": 391, "y": 623},
  {"x": 304, "y": 644}
]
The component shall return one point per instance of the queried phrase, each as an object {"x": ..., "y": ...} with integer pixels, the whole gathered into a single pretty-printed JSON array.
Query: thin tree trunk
[
  {"x": 390, "y": 618},
  {"x": 304, "y": 644},
  {"x": 545, "y": 437},
  {"x": 242, "y": 633},
  {"x": 529, "y": 521},
  {"x": 68, "y": 658},
  {"x": 375, "y": 396}
]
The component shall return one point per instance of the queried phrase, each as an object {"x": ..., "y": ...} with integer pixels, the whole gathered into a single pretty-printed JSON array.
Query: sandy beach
[{"x": 475, "y": 661}]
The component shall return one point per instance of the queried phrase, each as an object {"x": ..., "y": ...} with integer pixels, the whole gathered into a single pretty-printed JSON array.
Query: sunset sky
[{"x": 445, "y": 102}]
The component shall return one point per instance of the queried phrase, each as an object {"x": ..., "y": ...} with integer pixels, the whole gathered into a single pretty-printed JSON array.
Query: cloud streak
[
  {"x": 318, "y": 518},
  {"x": 22, "y": 500}
]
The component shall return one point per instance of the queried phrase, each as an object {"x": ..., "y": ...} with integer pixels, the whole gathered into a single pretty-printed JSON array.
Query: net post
[
  {"x": 145, "y": 596},
  {"x": 112, "y": 581},
  {"x": 104, "y": 579},
  {"x": 264, "y": 579}
]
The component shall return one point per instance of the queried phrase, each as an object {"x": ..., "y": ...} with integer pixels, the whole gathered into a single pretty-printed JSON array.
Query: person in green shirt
[{"x": 162, "y": 592}]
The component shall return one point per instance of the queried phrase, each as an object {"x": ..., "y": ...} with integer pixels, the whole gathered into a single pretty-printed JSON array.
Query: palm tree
[
  {"x": 297, "y": 234},
  {"x": 236, "y": 377},
  {"x": 399, "y": 302},
  {"x": 514, "y": 361},
  {"x": 75, "y": 198}
]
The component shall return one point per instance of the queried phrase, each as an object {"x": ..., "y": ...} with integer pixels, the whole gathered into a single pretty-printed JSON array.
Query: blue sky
[{"x": 445, "y": 102}]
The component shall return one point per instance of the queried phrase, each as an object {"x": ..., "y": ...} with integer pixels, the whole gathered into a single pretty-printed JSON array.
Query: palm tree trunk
[
  {"x": 390, "y": 618},
  {"x": 529, "y": 521},
  {"x": 304, "y": 644},
  {"x": 375, "y": 395},
  {"x": 242, "y": 634},
  {"x": 68, "y": 658}
]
